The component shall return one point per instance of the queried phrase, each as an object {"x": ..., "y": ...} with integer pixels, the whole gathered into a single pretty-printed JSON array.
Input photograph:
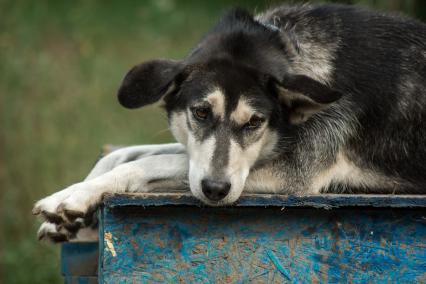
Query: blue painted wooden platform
[
  {"x": 79, "y": 263},
  {"x": 151, "y": 238}
]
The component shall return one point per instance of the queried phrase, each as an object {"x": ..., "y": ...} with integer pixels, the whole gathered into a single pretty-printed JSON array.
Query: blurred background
[{"x": 60, "y": 65}]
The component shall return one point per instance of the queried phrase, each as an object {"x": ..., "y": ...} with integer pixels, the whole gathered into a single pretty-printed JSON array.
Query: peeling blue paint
[{"x": 172, "y": 239}]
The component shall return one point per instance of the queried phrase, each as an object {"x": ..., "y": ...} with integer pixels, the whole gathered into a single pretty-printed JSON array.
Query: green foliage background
[{"x": 60, "y": 65}]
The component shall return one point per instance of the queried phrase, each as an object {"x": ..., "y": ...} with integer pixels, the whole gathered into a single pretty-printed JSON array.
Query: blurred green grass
[{"x": 60, "y": 65}]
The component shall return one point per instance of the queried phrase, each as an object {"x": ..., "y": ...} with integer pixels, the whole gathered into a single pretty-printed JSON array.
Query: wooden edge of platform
[{"x": 325, "y": 201}]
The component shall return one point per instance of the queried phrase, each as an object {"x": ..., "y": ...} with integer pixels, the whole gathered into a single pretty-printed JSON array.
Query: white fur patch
[
  {"x": 241, "y": 160},
  {"x": 179, "y": 128},
  {"x": 263, "y": 181},
  {"x": 201, "y": 156},
  {"x": 132, "y": 153}
]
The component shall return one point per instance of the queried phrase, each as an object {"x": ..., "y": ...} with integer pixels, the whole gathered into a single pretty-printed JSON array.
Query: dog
[{"x": 298, "y": 100}]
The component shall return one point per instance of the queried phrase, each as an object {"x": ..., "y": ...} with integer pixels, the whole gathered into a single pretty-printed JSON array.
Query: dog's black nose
[{"x": 215, "y": 190}]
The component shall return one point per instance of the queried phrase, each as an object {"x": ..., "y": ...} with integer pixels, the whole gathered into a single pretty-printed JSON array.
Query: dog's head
[{"x": 228, "y": 103}]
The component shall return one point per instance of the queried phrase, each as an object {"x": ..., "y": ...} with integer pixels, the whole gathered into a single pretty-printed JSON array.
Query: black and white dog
[{"x": 298, "y": 100}]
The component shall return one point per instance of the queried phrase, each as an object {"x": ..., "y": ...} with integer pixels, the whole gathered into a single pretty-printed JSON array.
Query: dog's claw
[
  {"x": 73, "y": 215},
  {"x": 50, "y": 232},
  {"x": 71, "y": 227},
  {"x": 57, "y": 237},
  {"x": 52, "y": 217},
  {"x": 36, "y": 210},
  {"x": 53, "y": 237},
  {"x": 68, "y": 214},
  {"x": 64, "y": 216}
]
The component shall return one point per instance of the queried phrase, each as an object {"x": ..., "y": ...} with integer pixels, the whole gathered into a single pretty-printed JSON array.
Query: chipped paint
[
  {"x": 180, "y": 242},
  {"x": 109, "y": 243}
]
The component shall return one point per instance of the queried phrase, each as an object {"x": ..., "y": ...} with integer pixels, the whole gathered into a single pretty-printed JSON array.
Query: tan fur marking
[
  {"x": 217, "y": 102},
  {"x": 345, "y": 172},
  {"x": 242, "y": 112},
  {"x": 241, "y": 160},
  {"x": 263, "y": 181},
  {"x": 301, "y": 113}
]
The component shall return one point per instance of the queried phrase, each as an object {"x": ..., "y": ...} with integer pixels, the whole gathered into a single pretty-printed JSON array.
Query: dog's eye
[
  {"x": 254, "y": 122},
  {"x": 201, "y": 112}
]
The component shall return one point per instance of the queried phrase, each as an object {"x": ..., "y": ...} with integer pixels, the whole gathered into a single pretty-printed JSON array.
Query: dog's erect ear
[
  {"x": 148, "y": 82},
  {"x": 305, "y": 96}
]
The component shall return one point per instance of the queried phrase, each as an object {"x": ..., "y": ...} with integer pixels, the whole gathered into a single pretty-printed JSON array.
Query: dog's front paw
[
  {"x": 47, "y": 207},
  {"x": 79, "y": 206},
  {"x": 52, "y": 232},
  {"x": 69, "y": 210},
  {"x": 57, "y": 233}
]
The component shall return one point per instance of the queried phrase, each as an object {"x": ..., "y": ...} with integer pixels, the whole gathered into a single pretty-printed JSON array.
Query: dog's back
[{"x": 378, "y": 62}]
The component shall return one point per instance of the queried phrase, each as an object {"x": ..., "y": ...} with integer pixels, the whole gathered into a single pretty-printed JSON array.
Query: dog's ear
[
  {"x": 304, "y": 96},
  {"x": 148, "y": 82}
]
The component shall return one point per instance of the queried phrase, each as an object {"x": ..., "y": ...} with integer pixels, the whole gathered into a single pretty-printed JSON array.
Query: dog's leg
[
  {"x": 132, "y": 153},
  {"x": 72, "y": 208},
  {"x": 104, "y": 165},
  {"x": 143, "y": 175},
  {"x": 54, "y": 229}
]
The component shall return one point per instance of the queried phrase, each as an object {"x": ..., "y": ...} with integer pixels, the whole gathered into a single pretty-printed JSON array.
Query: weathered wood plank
[
  {"x": 169, "y": 238},
  {"x": 79, "y": 262},
  {"x": 317, "y": 201}
]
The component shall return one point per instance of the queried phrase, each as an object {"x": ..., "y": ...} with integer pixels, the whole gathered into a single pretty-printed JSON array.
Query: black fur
[{"x": 147, "y": 83}]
